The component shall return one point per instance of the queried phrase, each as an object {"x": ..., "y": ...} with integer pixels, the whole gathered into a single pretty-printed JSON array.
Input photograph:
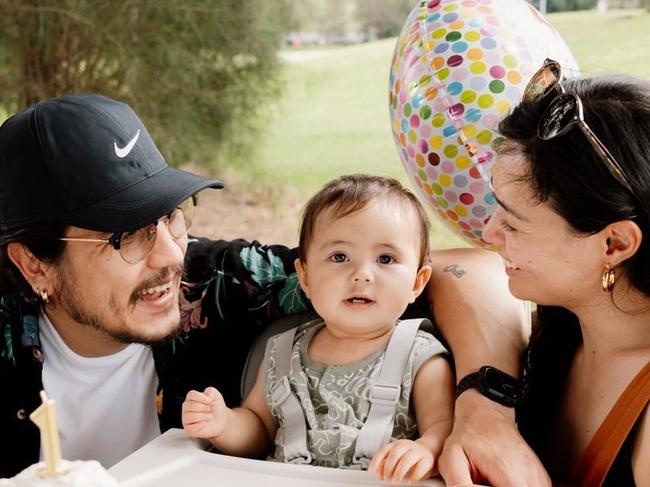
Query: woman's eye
[
  {"x": 338, "y": 257},
  {"x": 507, "y": 227},
  {"x": 385, "y": 259}
]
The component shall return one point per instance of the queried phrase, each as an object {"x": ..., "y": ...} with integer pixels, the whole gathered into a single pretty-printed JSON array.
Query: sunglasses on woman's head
[{"x": 564, "y": 112}]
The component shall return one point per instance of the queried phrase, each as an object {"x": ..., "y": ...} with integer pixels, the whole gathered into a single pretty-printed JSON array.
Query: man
[{"x": 93, "y": 237}]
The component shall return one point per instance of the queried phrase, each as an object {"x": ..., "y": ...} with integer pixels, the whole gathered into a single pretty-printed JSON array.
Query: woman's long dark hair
[{"x": 569, "y": 174}]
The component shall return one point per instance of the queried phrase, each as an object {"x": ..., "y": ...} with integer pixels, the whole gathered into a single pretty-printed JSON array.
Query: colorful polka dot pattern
[{"x": 458, "y": 68}]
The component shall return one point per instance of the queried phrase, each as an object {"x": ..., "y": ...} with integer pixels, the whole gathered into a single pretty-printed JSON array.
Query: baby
[{"x": 356, "y": 388}]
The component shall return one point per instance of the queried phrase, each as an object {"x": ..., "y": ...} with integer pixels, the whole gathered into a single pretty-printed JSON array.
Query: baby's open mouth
[{"x": 359, "y": 300}]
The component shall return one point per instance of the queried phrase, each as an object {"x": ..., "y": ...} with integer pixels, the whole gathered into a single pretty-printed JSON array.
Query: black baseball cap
[{"x": 88, "y": 161}]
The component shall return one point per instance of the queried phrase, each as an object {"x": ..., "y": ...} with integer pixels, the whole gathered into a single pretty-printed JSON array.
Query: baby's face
[{"x": 362, "y": 269}]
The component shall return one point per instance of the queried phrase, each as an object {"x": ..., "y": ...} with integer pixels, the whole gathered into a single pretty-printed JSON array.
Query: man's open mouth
[{"x": 155, "y": 292}]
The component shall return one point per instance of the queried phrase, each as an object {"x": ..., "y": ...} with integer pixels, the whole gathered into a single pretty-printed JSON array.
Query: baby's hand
[
  {"x": 403, "y": 459},
  {"x": 205, "y": 413}
]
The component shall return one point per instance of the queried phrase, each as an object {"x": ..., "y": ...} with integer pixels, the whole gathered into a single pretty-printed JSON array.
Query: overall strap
[
  {"x": 385, "y": 392},
  {"x": 295, "y": 429},
  {"x": 599, "y": 456}
]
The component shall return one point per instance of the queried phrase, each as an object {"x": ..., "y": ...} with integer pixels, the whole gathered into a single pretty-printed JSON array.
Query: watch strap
[
  {"x": 492, "y": 383},
  {"x": 470, "y": 381}
]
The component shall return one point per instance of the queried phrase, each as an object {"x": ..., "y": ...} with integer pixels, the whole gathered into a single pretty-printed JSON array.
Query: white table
[{"x": 174, "y": 460}]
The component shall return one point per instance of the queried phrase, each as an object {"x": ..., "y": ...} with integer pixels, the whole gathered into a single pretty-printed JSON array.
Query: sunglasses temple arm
[{"x": 605, "y": 154}]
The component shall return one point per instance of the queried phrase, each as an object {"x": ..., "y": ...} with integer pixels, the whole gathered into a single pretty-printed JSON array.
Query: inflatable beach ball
[{"x": 458, "y": 68}]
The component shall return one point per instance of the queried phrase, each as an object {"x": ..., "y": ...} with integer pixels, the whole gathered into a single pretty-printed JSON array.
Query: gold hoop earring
[
  {"x": 43, "y": 295},
  {"x": 608, "y": 279}
]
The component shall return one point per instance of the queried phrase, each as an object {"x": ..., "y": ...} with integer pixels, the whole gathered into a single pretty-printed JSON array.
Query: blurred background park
[{"x": 275, "y": 97}]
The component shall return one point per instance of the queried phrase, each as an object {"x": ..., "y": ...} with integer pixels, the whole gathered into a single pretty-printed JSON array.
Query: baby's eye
[
  {"x": 385, "y": 259},
  {"x": 339, "y": 257}
]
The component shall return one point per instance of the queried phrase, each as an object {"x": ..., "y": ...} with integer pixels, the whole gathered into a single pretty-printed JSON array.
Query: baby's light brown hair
[{"x": 353, "y": 192}]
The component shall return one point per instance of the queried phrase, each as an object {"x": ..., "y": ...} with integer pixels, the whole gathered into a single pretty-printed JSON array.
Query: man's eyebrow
[{"x": 510, "y": 210}]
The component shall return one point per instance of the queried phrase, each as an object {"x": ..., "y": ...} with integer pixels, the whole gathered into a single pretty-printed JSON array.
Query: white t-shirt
[{"x": 105, "y": 406}]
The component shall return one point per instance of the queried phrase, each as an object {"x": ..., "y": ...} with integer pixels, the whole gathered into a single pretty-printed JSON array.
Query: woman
[{"x": 573, "y": 185}]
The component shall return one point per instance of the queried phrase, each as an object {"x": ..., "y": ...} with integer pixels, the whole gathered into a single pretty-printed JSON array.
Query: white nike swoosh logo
[{"x": 122, "y": 152}]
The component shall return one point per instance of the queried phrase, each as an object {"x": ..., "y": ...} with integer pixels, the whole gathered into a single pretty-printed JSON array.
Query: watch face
[{"x": 499, "y": 385}]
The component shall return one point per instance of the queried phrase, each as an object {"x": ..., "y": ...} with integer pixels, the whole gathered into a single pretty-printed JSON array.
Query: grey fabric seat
[{"x": 256, "y": 353}]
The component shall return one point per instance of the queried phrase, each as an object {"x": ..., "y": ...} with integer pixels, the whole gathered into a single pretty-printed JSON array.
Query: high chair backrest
[{"x": 256, "y": 353}]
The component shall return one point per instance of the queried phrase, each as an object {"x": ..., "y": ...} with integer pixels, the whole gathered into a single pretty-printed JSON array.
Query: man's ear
[
  {"x": 421, "y": 279},
  {"x": 33, "y": 270},
  {"x": 301, "y": 271},
  {"x": 622, "y": 240}
]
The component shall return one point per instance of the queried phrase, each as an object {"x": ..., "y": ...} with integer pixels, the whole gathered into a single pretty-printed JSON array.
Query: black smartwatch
[{"x": 493, "y": 384}]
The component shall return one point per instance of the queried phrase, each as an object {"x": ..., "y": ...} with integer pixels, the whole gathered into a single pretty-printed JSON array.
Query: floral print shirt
[{"x": 231, "y": 290}]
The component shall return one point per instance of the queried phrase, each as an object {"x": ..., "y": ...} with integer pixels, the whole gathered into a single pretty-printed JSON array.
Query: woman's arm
[
  {"x": 483, "y": 325},
  {"x": 482, "y": 322}
]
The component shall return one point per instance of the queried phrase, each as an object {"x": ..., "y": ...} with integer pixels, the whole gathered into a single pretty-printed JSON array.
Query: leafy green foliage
[{"x": 197, "y": 72}]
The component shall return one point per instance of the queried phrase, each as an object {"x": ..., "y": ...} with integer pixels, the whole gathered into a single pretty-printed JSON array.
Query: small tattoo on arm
[{"x": 455, "y": 270}]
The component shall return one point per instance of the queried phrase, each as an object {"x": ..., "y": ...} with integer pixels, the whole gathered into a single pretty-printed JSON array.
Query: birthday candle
[{"x": 45, "y": 418}]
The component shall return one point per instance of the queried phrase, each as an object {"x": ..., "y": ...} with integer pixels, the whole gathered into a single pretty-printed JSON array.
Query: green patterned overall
[{"x": 336, "y": 400}]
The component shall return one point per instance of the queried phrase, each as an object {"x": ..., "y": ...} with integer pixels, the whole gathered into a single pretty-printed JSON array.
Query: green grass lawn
[
  {"x": 617, "y": 42},
  {"x": 333, "y": 117}
]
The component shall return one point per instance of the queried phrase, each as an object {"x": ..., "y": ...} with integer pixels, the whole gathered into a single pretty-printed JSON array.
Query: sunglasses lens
[
  {"x": 558, "y": 117},
  {"x": 544, "y": 81}
]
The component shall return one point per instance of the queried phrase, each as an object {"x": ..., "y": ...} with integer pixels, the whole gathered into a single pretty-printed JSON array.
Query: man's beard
[{"x": 71, "y": 301}]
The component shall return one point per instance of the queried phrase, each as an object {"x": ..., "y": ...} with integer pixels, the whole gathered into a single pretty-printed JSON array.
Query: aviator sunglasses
[
  {"x": 136, "y": 245},
  {"x": 564, "y": 112}
]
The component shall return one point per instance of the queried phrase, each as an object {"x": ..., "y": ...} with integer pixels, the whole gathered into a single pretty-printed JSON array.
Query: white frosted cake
[{"x": 78, "y": 474}]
